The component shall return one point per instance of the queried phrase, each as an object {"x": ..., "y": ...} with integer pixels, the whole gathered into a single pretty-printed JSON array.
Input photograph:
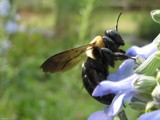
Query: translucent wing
[{"x": 65, "y": 60}]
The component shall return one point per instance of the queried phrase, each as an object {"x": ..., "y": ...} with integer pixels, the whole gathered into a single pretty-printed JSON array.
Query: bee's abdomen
[{"x": 92, "y": 74}]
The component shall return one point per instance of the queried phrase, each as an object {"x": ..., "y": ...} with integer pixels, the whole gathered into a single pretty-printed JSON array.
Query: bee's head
[{"x": 115, "y": 36}]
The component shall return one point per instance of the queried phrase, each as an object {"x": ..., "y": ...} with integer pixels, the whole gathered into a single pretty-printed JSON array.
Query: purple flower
[
  {"x": 6, "y": 44},
  {"x": 120, "y": 83},
  {"x": 120, "y": 86},
  {"x": 4, "y": 7},
  {"x": 109, "y": 112},
  {"x": 99, "y": 115},
  {"x": 124, "y": 92},
  {"x": 125, "y": 70},
  {"x": 11, "y": 27},
  {"x": 154, "y": 115},
  {"x": 144, "y": 51}
]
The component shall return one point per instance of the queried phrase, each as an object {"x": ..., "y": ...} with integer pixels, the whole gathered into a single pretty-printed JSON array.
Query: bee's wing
[{"x": 65, "y": 60}]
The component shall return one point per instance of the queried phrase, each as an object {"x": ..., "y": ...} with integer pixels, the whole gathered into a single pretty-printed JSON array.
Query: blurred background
[{"x": 33, "y": 30}]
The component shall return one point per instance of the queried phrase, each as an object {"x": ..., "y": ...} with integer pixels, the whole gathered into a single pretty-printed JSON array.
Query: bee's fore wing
[{"x": 65, "y": 60}]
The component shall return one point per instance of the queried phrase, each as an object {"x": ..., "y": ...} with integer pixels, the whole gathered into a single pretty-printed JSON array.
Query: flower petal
[
  {"x": 118, "y": 101},
  {"x": 130, "y": 94},
  {"x": 11, "y": 27},
  {"x": 5, "y": 7},
  {"x": 125, "y": 70},
  {"x": 107, "y": 87},
  {"x": 116, "y": 104},
  {"x": 144, "y": 51},
  {"x": 100, "y": 115},
  {"x": 155, "y": 115}
]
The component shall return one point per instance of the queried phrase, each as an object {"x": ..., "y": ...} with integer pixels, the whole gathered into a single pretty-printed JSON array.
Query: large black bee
[{"x": 101, "y": 53}]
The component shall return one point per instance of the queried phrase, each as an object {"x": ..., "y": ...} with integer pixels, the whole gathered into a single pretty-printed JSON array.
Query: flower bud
[
  {"x": 155, "y": 15},
  {"x": 145, "y": 83},
  {"x": 156, "y": 94},
  {"x": 139, "y": 59},
  {"x": 151, "y": 106},
  {"x": 158, "y": 77},
  {"x": 149, "y": 66}
]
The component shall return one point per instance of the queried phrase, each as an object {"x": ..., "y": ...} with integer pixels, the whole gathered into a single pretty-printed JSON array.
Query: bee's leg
[
  {"x": 122, "y": 56},
  {"x": 121, "y": 51},
  {"x": 111, "y": 56},
  {"x": 105, "y": 52},
  {"x": 108, "y": 56}
]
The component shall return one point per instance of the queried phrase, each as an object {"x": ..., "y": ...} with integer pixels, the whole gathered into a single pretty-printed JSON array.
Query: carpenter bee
[{"x": 99, "y": 55}]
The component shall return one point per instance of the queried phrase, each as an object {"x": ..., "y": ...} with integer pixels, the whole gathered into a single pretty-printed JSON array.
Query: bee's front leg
[
  {"x": 121, "y": 51},
  {"x": 107, "y": 56},
  {"x": 110, "y": 56},
  {"x": 122, "y": 56}
]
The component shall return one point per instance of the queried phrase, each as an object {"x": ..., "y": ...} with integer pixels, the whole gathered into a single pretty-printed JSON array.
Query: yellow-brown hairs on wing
[{"x": 65, "y": 60}]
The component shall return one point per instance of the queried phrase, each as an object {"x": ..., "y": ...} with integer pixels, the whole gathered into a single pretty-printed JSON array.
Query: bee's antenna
[{"x": 118, "y": 20}]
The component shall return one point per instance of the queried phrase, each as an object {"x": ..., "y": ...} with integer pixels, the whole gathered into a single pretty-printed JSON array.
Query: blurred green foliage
[
  {"x": 148, "y": 29},
  {"x": 27, "y": 92},
  {"x": 45, "y": 28}
]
